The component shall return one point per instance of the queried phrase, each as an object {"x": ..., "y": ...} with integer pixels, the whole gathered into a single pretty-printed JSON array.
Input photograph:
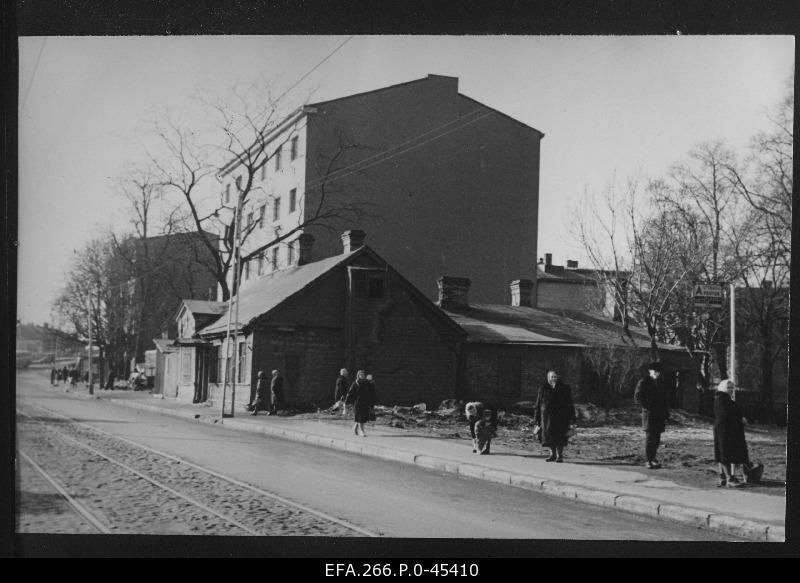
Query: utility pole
[
  {"x": 91, "y": 389},
  {"x": 231, "y": 299},
  {"x": 732, "y": 372}
]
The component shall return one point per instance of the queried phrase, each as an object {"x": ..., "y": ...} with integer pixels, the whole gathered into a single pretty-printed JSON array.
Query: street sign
[{"x": 708, "y": 295}]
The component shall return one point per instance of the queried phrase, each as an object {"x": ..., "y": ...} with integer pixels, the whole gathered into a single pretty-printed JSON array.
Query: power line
[{"x": 33, "y": 74}]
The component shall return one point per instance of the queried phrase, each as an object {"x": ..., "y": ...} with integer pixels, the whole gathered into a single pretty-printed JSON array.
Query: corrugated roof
[
  {"x": 268, "y": 292},
  {"x": 499, "y": 324}
]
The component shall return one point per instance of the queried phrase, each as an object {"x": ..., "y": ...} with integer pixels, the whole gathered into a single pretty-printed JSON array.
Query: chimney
[
  {"x": 521, "y": 290},
  {"x": 304, "y": 244},
  {"x": 352, "y": 240},
  {"x": 548, "y": 259},
  {"x": 453, "y": 292},
  {"x": 571, "y": 264}
]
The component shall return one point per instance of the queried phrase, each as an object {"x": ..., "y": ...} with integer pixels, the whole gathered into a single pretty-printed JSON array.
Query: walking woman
[
  {"x": 260, "y": 400},
  {"x": 362, "y": 396},
  {"x": 554, "y": 414},
  {"x": 730, "y": 447}
]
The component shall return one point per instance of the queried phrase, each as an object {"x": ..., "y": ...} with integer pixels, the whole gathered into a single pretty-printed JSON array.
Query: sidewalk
[{"x": 738, "y": 512}]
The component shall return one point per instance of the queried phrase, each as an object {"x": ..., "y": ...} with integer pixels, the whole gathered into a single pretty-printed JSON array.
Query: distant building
[
  {"x": 172, "y": 268},
  {"x": 572, "y": 288},
  {"x": 443, "y": 184}
]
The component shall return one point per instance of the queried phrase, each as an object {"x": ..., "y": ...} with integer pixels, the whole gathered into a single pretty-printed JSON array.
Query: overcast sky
[{"x": 606, "y": 105}]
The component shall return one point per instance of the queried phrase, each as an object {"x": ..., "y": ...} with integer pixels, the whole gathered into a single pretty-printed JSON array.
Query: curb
[{"x": 629, "y": 503}]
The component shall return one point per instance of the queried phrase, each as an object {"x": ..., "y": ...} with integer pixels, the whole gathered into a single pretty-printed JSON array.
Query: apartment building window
[
  {"x": 264, "y": 171},
  {"x": 294, "y": 148},
  {"x": 278, "y": 153},
  {"x": 228, "y": 193},
  {"x": 246, "y": 270},
  {"x": 276, "y": 209},
  {"x": 261, "y": 263},
  {"x": 290, "y": 254},
  {"x": 274, "y": 259},
  {"x": 249, "y": 220},
  {"x": 292, "y": 200},
  {"x": 261, "y": 212},
  {"x": 242, "y": 372}
]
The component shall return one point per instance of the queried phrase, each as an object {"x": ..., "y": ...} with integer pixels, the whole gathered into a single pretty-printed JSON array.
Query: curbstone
[
  {"x": 692, "y": 516},
  {"x": 738, "y": 526},
  {"x": 435, "y": 463},
  {"x": 559, "y": 489},
  {"x": 776, "y": 534},
  {"x": 470, "y": 470},
  {"x": 596, "y": 497},
  {"x": 637, "y": 505},
  {"x": 527, "y": 482},
  {"x": 396, "y": 455},
  {"x": 498, "y": 476}
]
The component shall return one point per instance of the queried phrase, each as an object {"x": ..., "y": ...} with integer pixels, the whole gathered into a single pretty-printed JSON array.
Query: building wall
[
  {"x": 505, "y": 374},
  {"x": 461, "y": 200}
]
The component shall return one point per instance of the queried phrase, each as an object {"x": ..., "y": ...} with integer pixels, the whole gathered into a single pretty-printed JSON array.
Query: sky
[{"x": 608, "y": 106}]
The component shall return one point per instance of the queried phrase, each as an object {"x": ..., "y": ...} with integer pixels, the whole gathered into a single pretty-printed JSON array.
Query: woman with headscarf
[
  {"x": 730, "y": 447},
  {"x": 362, "y": 396},
  {"x": 554, "y": 414}
]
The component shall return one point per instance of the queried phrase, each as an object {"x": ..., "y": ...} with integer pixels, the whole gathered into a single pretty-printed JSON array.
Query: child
[{"x": 484, "y": 431}]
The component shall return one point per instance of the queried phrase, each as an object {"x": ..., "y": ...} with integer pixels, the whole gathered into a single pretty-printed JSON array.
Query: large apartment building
[{"x": 443, "y": 184}]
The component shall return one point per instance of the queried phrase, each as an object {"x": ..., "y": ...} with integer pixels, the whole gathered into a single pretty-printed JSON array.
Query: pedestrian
[
  {"x": 259, "y": 402},
  {"x": 362, "y": 396},
  {"x": 554, "y": 414},
  {"x": 340, "y": 392},
  {"x": 110, "y": 381},
  {"x": 86, "y": 377},
  {"x": 73, "y": 377},
  {"x": 64, "y": 373},
  {"x": 59, "y": 376},
  {"x": 485, "y": 430},
  {"x": 276, "y": 392},
  {"x": 730, "y": 446},
  {"x": 651, "y": 394},
  {"x": 473, "y": 411},
  {"x": 53, "y": 376}
]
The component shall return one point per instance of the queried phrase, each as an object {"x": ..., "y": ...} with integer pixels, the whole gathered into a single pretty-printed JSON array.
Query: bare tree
[{"x": 247, "y": 132}]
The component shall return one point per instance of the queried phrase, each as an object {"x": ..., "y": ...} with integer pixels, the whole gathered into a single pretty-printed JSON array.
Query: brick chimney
[
  {"x": 352, "y": 240},
  {"x": 453, "y": 292},
  {"x": 304, "y": 244},
  {"x": 521, "y": 291},
  {"x": 548, "y": 259}
]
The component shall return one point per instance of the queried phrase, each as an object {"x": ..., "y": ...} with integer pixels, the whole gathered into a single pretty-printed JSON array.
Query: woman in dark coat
[
  {"x": 730, "y": 447},
  {"x": 260, "y": 400},
  {"x": 362, "y": 396},
  {"x": 554, "y": 413}
]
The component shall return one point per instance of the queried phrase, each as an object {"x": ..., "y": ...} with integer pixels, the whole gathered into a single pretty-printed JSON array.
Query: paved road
[{"x": 377, "y": 496}]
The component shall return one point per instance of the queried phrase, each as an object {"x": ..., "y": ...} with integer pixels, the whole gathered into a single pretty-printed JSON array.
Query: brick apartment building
[{"x": 445, "y": 184}]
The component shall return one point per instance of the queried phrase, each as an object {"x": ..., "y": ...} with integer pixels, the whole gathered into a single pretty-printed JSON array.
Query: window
[
  {"x": 369, "y": 284},
  {"x": 262, "y": 210},
  {"x": 290, "y": 254},
  {"x": 294, "y": 148},
  {"x": 228, "y": 193},
  {"x": 278, "y": 153},
  {"x": 261, "y": 263},
  {"x": 274, "y": 259},
  {"x": 214, "y": 361},
  {"x": 292, "y": 200},
  {"x": 246, "y": 270},
  {"x": 264, "y": 171},
  {"x": 249, "y": 220},
  {"x": 276, "y": 209}
]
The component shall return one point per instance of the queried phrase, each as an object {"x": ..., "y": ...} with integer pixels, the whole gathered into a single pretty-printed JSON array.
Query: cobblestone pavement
[{"x": 125, "y": 501}]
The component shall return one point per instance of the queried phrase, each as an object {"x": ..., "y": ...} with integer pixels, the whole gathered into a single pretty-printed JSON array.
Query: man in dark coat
[
  {"x": 110, "y": 381},
  {"x": 554, "y": 414},
  {"x": 259, "y": 402},
  {"x": 276, "y": 392},
  {"x": 730, "y": 445},
  {"x": 651, "y": 394}
]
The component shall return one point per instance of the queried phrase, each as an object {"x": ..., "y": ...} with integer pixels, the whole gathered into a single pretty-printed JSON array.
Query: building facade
[{"x": 441, "y": 182}]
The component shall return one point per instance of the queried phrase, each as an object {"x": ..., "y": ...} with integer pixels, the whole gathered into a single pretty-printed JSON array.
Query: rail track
[{"x": 120, "y": 486}]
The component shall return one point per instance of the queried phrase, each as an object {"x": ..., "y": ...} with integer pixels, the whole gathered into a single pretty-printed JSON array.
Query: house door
[{"x": 201, "y": 374}]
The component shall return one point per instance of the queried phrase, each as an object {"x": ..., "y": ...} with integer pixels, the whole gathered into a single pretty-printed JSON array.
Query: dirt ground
[{"x": 613, "y": 437}]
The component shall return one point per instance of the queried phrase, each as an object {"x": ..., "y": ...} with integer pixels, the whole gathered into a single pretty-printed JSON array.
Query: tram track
[{"x": 244, "y": 508}]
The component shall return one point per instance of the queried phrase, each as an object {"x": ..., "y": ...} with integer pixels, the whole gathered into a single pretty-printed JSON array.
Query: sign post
[{"x": 708, "y": 295}]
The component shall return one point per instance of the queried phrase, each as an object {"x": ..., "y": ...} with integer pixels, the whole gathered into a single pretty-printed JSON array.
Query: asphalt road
[{"x": 390, "y": 499}]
